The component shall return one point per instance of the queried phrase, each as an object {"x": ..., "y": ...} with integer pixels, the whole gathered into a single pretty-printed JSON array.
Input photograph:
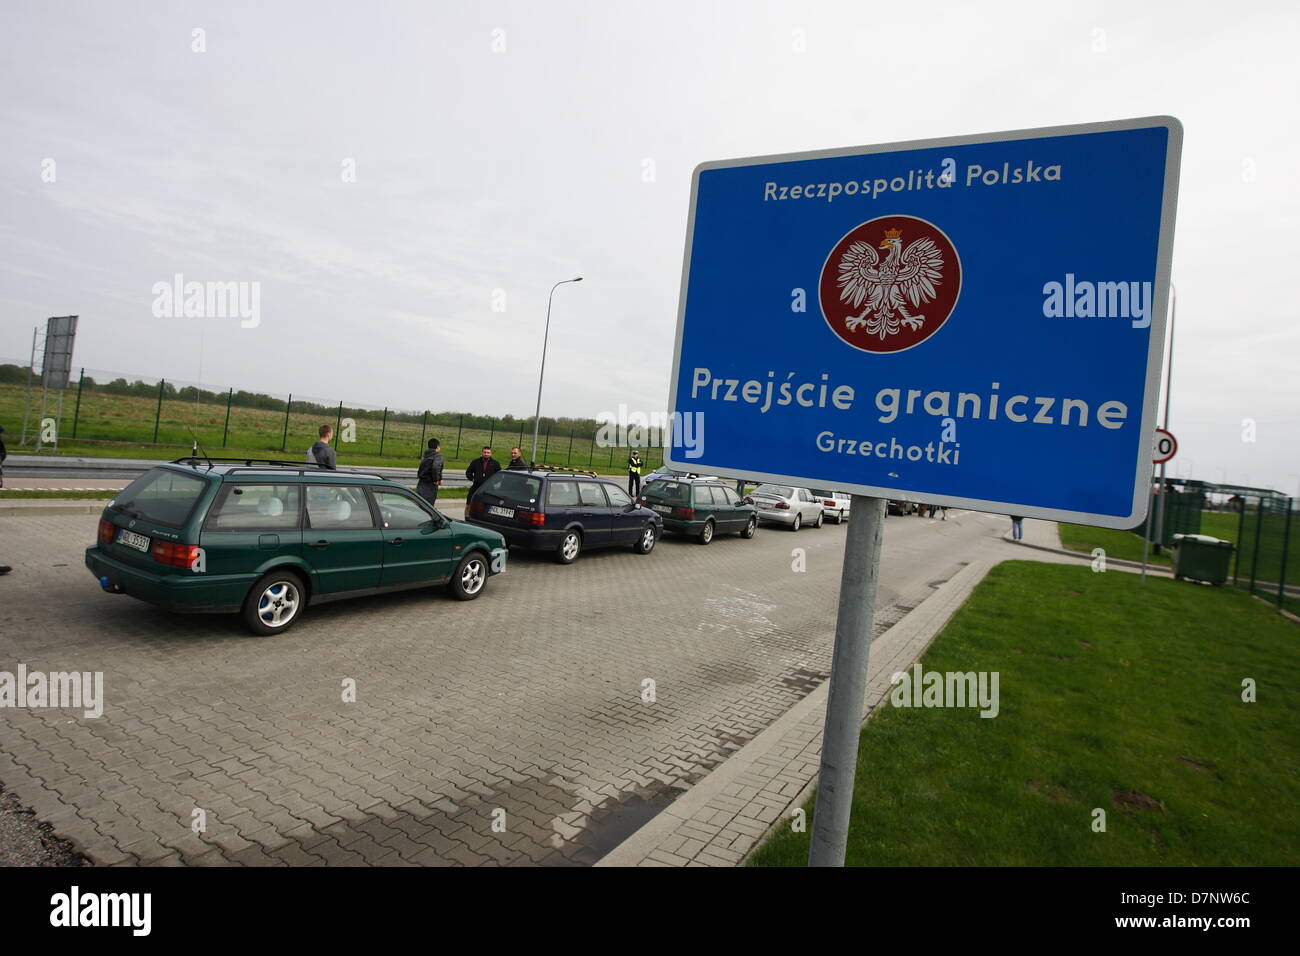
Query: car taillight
[
  {"x": 537, "y": 518},
  {"x": 749, "y": 501},
  {"x": 177, "y": 555},
  {"x": 828, "y": 503},
  {"x": 782, "y": 506},
  {"x": 476, "y": 507},
  {"x": 684, "y": 512},
  {"x": 106, "y": 531},
  {"x": 640, "y": 502}
]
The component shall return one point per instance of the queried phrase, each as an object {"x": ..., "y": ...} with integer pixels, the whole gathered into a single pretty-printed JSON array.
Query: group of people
[{"x": 429, "y": 473}]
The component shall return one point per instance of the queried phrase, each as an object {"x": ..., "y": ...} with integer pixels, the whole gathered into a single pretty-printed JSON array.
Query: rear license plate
[
  {"x": 132, "y": 540},
  {"x": 765, "y": 505},
  {"x": 663, "y": 509},
  {"x": 503, "y": 512}
]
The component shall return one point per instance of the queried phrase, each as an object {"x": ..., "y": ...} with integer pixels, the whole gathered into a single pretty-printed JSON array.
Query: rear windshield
[
  {"x": 668, "y": 491},
  {"x": 512, "y": 486},
  {"x": 823, "y": 493},
  {"x": 162, "y": 496},
  {"x": 777, "y": 491}
]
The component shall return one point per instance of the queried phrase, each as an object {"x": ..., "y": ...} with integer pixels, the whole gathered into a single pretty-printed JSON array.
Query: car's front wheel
[
  {"x": 274, "y": 603},
  {"x": 707, "y": 534},
  {"x": 751, "y": 526},
  {"x": 821, "y": 516},
  {"x": 569, "y": 548},
  {"x": 470, "y": 577},
  {"x": 798, "y": 520},
  {"x": 646, "y": 542}
]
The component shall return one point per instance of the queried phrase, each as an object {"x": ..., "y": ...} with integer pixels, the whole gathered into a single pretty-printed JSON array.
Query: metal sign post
[
  {"x": 848, "y": 682},
  {"x": 932, "y": 321}
]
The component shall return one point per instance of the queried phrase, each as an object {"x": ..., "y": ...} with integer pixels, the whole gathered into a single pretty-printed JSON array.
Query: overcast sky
[{"x": 501, "y": 147}]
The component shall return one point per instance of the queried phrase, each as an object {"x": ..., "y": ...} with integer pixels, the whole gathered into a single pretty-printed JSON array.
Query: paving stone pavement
[{"x": 528, "y": 701}]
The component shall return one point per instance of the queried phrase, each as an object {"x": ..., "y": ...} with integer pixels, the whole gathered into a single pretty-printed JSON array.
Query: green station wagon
[
  {"x": 266, "y": 538},
  {"x": 699, "y": 508}
]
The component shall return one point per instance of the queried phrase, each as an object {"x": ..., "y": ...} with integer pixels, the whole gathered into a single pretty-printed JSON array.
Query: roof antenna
[{"x": 194, "y": 451}]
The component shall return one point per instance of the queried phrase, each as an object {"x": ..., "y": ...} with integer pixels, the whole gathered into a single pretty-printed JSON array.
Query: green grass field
[
  {"x": 112, "y": 425},
  {"x": 1114, "y": 695},
  {"x": 1117, "y": 544}
]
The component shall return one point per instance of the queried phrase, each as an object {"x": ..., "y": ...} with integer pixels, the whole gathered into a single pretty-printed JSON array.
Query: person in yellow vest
[{"x": 634, "y": 465}]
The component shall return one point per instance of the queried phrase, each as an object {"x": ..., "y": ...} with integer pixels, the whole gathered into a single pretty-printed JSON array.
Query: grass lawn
[
  {"x": 1113, "y": 695},
  {"x": 1117, "y": 544}
]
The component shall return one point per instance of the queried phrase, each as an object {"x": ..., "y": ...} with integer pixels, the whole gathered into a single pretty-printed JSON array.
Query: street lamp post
[{"x": 537, "y": 416}]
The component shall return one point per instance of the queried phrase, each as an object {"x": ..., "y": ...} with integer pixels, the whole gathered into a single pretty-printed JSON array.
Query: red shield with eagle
[{"x": 890, "y": 283}]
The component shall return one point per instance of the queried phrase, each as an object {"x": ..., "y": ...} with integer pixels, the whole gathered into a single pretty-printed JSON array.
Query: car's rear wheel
[
  {"x": 470, "y": 577},
  {"x": 707, "y": 534},
  {"x": 274, "y": 603},
  {"x": 798, "y": 520},
  {"x": 646, "y": 543},
  {"x": 570, "y": 547},
  {"x": 750, "y": 527}
]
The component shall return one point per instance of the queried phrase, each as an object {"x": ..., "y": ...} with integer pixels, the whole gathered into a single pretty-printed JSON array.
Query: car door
[
  {"x": 597, "y": 521},
  {"x": 418, "y": 546},
  {"x": 806, "y": 505},
  {"x": 340, "y": 539},
  {"x": 250, "y": 522},
  {"x": 736, "y": 511},
  {"x": 625, "y": 523}
]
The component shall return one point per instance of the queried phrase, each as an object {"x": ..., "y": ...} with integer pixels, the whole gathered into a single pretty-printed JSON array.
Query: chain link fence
[{"x": 102, "y": 406}]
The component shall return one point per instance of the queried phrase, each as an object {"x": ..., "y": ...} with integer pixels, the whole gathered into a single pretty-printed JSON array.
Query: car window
[
  {"x": 823, "y": 493},
  {"x": 512, "y": 486},
  {"x": 670, "y": 492},
  {"x": 260, "y": 507},
  {"x": 591, "y": 495},
  {"x": 399, "y": 510},
  {"x": 713, "y": 494},
  {"x": 731, "y": 496},
  {"x": 162, "y": 496},
  {"x": 561, "y": 493},
  {"x": 338, "y": 508},
  {"x": 779, "y": 491},
  {"x": 617, "y": 496}
]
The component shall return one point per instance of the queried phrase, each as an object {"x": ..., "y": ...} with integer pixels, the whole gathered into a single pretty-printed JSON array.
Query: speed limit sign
[{"x": 1164, "y": 448}]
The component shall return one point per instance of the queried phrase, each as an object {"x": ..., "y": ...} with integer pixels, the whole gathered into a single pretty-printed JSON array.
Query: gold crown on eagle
[{"x": 893, "y": 233}]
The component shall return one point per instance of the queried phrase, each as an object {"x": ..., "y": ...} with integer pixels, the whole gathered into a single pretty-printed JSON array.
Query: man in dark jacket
[
  {"x": 517, "y": 462},
  {"x": 321, "y": 453},
  {"x": 429, "y": 474},
  {"x": 481, "y": 469}
]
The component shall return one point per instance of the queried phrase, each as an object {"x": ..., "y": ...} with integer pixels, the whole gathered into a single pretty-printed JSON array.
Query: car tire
[
  {"x": 470, "y": 576},
  {"x": 821, "y": 516},
  {"x": 274, "y": 603},
  {"x": 798, "y": 520},
  {"x": 751, "y": 527},
  {"x": 570, "y": 547},
  {"x": 646, "y": 542},
  {"x": 707, "y": 534}
]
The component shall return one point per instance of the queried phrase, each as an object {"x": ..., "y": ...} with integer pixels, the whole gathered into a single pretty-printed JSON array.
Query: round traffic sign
[{"x": 1164, "y": 448}]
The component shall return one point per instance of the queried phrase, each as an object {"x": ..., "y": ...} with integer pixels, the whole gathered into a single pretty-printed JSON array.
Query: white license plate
[
  {"x": 765, "y": 505},
  {"x": 664, "y": 509},
  {"x": 132, "y": 540},
  {"x": 503, "y": 512}
]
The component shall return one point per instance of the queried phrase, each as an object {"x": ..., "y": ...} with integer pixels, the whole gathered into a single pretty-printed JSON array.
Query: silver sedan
[{"x": 786, "y": 505}]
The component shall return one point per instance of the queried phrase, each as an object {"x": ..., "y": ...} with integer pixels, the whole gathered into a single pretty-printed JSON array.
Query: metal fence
[
  {"x": 106, "y": 406},
  {"x": 1267, "y": 549}
]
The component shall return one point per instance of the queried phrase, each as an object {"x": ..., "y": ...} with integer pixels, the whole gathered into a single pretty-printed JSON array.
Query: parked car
[
  {"x": 835, "y": 504},
  {"x": 663, "y": 472},
  {"x": 564, "y": 512},
  {"x": 786, "y": 505},
  {"x": 268, "y": 538},
  {"x": 701, "y": 508},
  {"x": 900, "y": 507}
]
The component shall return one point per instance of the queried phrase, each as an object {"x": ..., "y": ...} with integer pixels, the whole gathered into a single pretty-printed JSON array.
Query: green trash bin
[{"x": 1202, "y": 558}]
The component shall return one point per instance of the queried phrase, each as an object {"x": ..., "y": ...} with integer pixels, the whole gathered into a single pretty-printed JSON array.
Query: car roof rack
[
  {"x": 266, "y": 464},
  {"x": 558, "y": 469}
]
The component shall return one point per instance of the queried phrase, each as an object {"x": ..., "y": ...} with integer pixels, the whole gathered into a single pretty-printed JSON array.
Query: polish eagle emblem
[{"x": 883, "y": 290}]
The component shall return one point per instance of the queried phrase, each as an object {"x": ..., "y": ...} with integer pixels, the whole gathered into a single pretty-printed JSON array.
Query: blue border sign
[{"x": 976, "y": 322}]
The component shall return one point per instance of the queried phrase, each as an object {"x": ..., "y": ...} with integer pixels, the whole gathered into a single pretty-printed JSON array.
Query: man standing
[
  {"x": 4, "y": 568},
  {"x": 517, "y": 462},
  {"x": 429, "y": 474},
  {"x": 321, "y": 453},
  {"x": 1017, "y": 527},
  {"x": 481, "y": 469},
  {"x": 634, "y": 473}
]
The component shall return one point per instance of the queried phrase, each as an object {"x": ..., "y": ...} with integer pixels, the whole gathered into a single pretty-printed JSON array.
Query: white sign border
[{"x": 1144, "y": 467}]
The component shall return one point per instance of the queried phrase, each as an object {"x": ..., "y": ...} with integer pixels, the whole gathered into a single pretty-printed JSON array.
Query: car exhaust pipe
[{"x": 109, "y": 586}]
